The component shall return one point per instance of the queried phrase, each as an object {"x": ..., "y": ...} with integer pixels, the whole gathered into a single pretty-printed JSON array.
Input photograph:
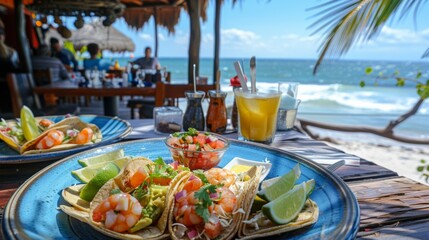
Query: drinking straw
[
  {"x": 218, "y": 81},
  {"x": 195, "y": 81},
  {"x": 240, "y": 75}
]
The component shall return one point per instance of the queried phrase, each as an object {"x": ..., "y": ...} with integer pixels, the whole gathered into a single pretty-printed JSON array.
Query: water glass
[
  {"x": 257, "y": 114},
  {"x": 287, "y": 116}
]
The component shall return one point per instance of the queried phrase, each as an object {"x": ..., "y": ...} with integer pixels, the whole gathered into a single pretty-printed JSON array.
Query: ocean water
[{"x": 333, "y": 95}]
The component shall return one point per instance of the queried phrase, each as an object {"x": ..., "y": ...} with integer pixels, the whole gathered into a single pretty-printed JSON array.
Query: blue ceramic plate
[
  {"x": 32, "y": 212},
  {"x": 113, "y": 129}
]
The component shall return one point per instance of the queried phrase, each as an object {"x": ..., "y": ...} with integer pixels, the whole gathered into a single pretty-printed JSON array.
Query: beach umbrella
[{"x": 107, "y": 38}]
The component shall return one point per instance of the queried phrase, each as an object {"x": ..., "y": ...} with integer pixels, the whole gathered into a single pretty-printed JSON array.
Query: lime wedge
[
  {"x": 309, "y": 185},
  {"x": 257, "y": 204},
  {"x": 85, "y": 174},
  {"x": 286, "y": 207},
  {"x": 106, "y": 157},
  {"x": 105, "y": 174},
  {"x": 282, "y": 185},
  {"x": 28, "y": 124}
]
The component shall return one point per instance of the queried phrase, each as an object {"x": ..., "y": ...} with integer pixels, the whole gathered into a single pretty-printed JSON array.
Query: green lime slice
[
  {"x": 282, "y": 185},
  {"x": 309, "y": 185},
  {"x": 106, "y": 157},
  {"x": 286, "y": 207},
  {"x": 257, "y": 204},
  {"x": 85, "y": 174},
  {"x": 91, "y": 188},
  {"x": 28, "y": 124}
]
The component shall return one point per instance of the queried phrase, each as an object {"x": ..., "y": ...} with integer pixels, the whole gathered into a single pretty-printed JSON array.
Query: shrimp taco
[
  {"x": 209, "y": 204},
  {"x": 68, "y": 133},
  {"x": 12, "y": 134},
  {"x": 256, "y": 225},
  {"x": 133, "y": 205}
]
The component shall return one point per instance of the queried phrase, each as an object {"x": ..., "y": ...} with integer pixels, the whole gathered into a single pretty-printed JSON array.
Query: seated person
[
  {"x": 93, "y": 62},
  {"x": 42, "y": 60},
  {"x": 64, "y": 55},
  {"x": 9, "y": 62},
  {"x": 147, "y": 62}
]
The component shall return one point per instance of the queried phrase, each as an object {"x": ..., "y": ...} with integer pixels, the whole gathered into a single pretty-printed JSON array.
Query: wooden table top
[
  {"x": 392, "y": 207},
  {"x": 67, "y": 88}
]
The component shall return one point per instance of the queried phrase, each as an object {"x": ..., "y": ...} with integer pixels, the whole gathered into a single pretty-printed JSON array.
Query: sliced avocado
[{"x": 142, "y": 223}]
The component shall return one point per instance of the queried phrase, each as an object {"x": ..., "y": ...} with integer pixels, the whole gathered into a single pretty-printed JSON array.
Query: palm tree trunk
[
  {"x": 155, "y": 19},
  {"x": 216, "y": 40},
  {"x": 194, "y": 39}
]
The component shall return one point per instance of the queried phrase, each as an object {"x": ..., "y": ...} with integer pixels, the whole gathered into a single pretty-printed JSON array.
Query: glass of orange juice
[{"x": 257, "y": 114}]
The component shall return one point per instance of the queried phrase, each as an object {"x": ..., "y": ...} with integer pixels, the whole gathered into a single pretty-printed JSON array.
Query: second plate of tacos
[
  {"x": 134, "y": 204},
  {"x": 69, "y": 133},
  {"x": 48, "y": 136},
  {"x": 209, "y": 204}
]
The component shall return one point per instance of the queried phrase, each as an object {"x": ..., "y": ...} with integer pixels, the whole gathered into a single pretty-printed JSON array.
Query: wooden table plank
[
  {"x": 410, "y": 230},
  {"x": 390, "y": 201}
]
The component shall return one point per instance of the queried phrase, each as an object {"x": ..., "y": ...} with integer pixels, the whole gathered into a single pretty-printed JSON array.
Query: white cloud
[
  {"x": 400, "y": 36},
  {"x": 161, "y": 37},
  {"x": 145, "y": 36},
  {"x": 240, "y": 38},
  {"x": 207, "y": 38}
]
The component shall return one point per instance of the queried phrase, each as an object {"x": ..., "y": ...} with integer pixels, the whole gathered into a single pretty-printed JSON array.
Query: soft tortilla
[
  {"x": 230, "y": 231},
  {"x": 306, "y": 217},
  {"x": 84, "y": 212},
  {"x": 63, "y": 125},
  {"x": 8, "y": 140}
]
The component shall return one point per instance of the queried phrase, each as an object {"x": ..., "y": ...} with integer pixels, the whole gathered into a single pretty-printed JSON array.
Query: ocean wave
[{"x": 346, "y": 98}]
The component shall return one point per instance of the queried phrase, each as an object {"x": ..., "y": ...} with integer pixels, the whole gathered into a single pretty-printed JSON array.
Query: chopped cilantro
[
  {"x": 141, "y": 191},
  {"x": 200, "y": 174},
  {"x": 161, "y": 169},
  {"x": 192, "y": 132},
  {"x": 203, "y": 195}
]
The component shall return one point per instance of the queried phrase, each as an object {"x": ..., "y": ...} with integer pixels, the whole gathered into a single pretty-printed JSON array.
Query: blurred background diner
[
  {"x": 95, "y": 60},
  {"x": 42, "y": 60},
  {"x": 63, "y": 54}
]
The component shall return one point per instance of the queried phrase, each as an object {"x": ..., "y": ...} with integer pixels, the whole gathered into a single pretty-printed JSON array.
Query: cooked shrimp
[
  {"x": 185, "y": 213},
  {"x": 138, "y": 177},
  {"x": 119, "y": 212},
  {"x": 227, "y": 201},
  {"x": 45, "y": 123},
  {"x": 212, "y": 229},
  {"x": 84, "y": 136},
  {"x": 52, "y": 138},
  {"x": 218, "y": 176},
  {"x": 193, "y": 184}
]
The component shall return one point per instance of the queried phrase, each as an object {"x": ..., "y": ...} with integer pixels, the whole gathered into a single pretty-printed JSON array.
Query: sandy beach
[{"x": 399, "y": 157}]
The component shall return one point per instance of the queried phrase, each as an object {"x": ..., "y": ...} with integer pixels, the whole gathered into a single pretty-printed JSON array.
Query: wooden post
[
  {"x": 155, "y": 19},
  {"x": 216, "y": 40},
  {"x": 23, "y": 46},
  {"x": 194, "y": 38}
]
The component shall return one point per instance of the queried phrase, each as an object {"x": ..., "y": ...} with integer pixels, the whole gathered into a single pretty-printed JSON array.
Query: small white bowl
[{"x": 241, "y": 161}]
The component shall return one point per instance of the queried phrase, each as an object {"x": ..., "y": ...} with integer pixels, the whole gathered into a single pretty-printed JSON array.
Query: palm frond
[
  {"x": 347, "y": 22},
  {"x": 426, "y": 53}
]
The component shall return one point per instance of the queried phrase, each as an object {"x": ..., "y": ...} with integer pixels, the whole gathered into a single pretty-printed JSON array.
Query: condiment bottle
[
  {"x": 235, "y": 83},
  {"x": 216, "y": 114},
  {"x": 194, "y": 115}
]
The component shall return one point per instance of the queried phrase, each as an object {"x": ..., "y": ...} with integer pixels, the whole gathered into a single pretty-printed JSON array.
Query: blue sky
[{"x": 279, "y": 29}]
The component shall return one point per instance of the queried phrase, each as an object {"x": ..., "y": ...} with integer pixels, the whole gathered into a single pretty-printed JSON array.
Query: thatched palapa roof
[{"x": 139, "y": 12}]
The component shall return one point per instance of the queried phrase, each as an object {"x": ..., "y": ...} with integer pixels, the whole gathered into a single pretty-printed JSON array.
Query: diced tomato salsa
[{"x": 196, "y": 150}]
